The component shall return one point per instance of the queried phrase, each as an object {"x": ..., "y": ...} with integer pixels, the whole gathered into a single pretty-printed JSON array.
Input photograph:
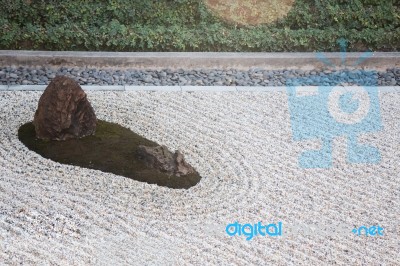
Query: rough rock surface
[
  {"x": 64, "y": 112},
  {"x": 162, "y": 159}
]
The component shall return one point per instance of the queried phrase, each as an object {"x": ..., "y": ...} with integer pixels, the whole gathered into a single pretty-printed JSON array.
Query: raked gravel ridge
[{"x": 241, "y": 143}]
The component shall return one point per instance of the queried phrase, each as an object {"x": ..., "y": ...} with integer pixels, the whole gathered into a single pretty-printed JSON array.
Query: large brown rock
[
  {"x": 64, "y": 112},
  {"x": 162, "y": 159}
]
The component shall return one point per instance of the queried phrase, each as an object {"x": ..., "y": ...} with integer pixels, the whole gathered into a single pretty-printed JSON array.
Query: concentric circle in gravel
[{"x": 241, "y": 144}]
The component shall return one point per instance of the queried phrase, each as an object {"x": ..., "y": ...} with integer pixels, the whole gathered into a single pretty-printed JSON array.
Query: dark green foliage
[{"x": 186, "y": 25}]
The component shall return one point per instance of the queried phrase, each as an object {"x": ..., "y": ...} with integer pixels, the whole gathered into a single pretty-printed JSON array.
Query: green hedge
[{"x": 187, "y": 25}]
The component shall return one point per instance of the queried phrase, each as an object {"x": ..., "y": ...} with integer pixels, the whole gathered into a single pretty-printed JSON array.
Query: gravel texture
[
  {"x": 255, "y": 77},
  {"x": 242, "y": 146}
]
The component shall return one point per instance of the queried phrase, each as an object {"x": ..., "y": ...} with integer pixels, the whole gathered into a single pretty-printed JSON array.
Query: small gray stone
[{"x": 162, "y": 159}]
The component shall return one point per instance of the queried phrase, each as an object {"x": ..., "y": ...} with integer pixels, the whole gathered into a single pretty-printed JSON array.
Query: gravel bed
[
  {"x": 241, "y": 143},
  {"x": 201, "y": 77}
]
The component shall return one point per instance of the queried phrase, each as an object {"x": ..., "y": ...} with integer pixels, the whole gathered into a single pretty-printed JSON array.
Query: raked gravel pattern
[{"x": 240, "y": 142}]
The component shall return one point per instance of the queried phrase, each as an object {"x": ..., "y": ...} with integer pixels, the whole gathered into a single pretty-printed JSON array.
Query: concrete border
[
  {"x": 26, "y": 88},
  {"x": 174, "y": 60},
  {"x": 128, "y": 88},
  {"x": 104, "y": 88},
  {"x": 153, "y": 88},
  {"x": 259, "y": 88},
  {"x": 209, "y": 88}
]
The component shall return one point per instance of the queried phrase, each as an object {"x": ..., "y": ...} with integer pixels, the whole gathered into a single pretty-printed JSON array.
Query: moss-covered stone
[{"x": 112, "y": 149}]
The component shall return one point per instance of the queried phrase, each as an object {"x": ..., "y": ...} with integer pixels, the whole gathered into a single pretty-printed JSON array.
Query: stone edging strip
[
  {"x": 187, "y": 88},
  {"x": 193, "y": 60}
]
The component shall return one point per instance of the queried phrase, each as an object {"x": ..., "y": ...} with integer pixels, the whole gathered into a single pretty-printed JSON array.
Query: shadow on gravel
[{"x": 112, "y": 149}]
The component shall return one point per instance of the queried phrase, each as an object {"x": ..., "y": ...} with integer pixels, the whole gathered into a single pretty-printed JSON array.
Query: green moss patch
[{"x": 112, "y": 149}]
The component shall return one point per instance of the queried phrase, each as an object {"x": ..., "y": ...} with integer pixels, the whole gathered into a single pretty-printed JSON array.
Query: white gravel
[{"x": 240, "y": 142}]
